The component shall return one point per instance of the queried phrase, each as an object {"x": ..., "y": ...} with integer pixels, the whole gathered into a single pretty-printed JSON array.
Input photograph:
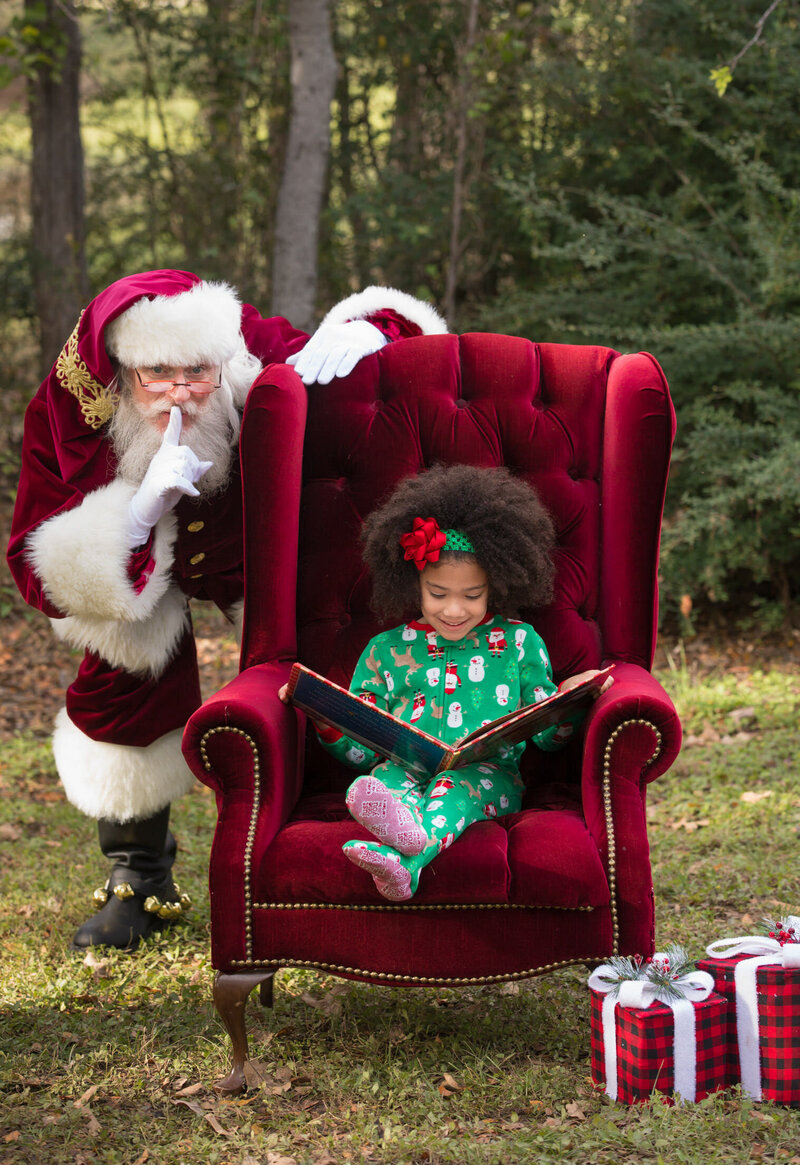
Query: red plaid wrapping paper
[
  {"x": 779, "y": 1026},
  {"x": 645, "y": 1040}
]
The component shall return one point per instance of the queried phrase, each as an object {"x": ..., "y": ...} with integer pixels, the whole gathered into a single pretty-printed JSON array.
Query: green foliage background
[{"x": 611, "y": 196}]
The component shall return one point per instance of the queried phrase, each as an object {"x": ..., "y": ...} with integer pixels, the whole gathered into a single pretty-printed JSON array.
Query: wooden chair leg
[
  {"x": 265, "y": 990},
  {"x": 230, "y": 1000}
]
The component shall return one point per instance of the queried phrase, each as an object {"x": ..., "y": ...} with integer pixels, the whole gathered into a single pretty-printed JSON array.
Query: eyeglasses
[{"x": 200, "y": 378}]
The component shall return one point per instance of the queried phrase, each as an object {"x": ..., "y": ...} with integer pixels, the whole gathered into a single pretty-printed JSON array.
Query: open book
[{"x": 416, "y": 750}]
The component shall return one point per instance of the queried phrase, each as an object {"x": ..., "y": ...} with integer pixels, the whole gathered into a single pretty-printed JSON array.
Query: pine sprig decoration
[
  {"x": 785, "y": 930},
  {"x": 624, "y": 969},
  {"x": 665, "y": 968}
]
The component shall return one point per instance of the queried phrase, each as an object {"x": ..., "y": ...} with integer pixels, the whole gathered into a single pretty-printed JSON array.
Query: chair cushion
[{"x": 538, "y": 858}]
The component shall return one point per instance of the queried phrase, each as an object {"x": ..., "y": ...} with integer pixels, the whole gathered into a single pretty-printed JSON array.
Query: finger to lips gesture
[{"x": 179, "y": 467}]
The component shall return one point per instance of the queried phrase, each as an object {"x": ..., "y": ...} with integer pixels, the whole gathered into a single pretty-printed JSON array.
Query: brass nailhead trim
[
  {"x": 251, "y": 829},
  {"x": 410, "y": 906},
  {"x": 612, "y": 845},
  {"x": 427, "y": 980}
]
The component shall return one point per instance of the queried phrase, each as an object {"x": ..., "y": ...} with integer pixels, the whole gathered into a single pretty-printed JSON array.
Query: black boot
[{"x": 140, "y": 894}]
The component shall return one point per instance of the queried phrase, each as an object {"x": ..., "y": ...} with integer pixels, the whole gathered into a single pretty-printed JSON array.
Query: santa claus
[{"x": 129, "y": 506}]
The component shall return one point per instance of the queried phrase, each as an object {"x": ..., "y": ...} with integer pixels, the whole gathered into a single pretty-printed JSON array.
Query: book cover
[{"x": 417, "y": 750}]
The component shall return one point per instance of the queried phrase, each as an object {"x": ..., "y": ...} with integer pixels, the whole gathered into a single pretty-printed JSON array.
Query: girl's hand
[
  {"x": 283, "y": 696},
  {"x": 573, "y": 681}
]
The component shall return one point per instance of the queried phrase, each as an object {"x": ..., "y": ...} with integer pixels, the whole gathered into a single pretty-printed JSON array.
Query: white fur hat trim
[{"x": 198, "y": 326}]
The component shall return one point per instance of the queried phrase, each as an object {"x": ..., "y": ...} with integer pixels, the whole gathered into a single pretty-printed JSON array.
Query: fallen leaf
[
  {"x": 88, "y": 1094},
  {"x": 279, "y": 1159},
  {"x": 451, "y": 1082},
  {"x": 575, "y": 1110},
  {"x": 709, "y": 735},
  {"x": 100, "y": 968},
  {"x": 739, "y": 714},
  {"x": 553, "y": 1122},
  {"x": 690, "y": 826},
  {"x": 145, "y": 1156},
  {"x": 192, "y": 1090},
  {"x": 216, "y": 1126},
  {"x": 193, "y": 1105},
  {"x": 255, "y": 1073},
  {"x": 94, "y": 1124},
  {"x": 329, "y": 1003},
  {"x": 9, "y": 1137},
  {"x": 9, "y": 832},
  {"x": 751, "y": 796}
]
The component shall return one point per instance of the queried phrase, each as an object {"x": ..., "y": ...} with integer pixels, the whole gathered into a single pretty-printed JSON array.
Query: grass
[{"x": 112, "y": 1059}]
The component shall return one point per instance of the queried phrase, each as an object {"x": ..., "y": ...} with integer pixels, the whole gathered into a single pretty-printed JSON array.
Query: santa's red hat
[
  {"x": 198, "y": 325},
  {"x": 167, "y": 317}
]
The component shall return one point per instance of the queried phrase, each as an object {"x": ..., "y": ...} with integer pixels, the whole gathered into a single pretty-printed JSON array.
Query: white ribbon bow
[
  {"x": 767, "y": 952},
  {"x": 693, "y": 988}
]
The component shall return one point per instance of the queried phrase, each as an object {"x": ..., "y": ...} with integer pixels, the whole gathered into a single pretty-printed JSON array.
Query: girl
[{"x": 466, "y": 548}]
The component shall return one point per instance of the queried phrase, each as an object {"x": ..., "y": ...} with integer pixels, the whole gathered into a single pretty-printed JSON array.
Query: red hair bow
[{"x": 424, "y": 543}]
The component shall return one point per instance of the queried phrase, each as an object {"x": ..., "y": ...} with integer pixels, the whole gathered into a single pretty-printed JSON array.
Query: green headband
[{"x": 457, "y": 541}]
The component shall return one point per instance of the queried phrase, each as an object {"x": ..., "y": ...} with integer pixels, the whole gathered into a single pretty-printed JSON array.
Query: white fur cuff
[
  {"x": 81, "y": 557},
  {"x": 374, "y": 299},
  {"x": 119, "y": 782},
  {"x": 143, "y": 648}
]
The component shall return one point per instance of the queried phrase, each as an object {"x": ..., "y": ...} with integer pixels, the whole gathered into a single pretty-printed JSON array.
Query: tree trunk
[
  {"x": 313, "y": 78},
  {"x": 463, "y": 96},
  {"x": 57, "y": 206}
]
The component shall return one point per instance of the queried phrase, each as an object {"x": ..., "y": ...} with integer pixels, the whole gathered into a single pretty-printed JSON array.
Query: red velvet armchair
[{"x": 566, "y": 880}]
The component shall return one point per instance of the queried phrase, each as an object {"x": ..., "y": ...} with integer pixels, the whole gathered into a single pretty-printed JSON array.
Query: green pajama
[
  {"x": 448, "y": 689},
  {"x": 447, "y": 804}
]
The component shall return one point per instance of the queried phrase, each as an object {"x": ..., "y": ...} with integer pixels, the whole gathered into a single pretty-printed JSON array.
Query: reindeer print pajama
[{"x": 447, "y": 688}]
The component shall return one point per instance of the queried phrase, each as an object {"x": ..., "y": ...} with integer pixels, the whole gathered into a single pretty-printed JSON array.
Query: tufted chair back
[{"x": 554, "y": 414}]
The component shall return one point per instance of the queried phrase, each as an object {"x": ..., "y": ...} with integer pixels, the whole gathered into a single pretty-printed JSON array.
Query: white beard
[{"x": 136, "y": 439}]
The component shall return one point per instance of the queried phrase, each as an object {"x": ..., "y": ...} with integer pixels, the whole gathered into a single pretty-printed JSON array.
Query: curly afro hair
[{"x": 500, "y": 514}]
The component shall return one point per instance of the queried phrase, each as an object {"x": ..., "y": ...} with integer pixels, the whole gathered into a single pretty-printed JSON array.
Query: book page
[{"x": 525, "y": 722}]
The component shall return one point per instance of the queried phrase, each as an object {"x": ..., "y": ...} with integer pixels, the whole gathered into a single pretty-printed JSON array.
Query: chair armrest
[
  {"x": 635, "y": 700},
  {"x": 633, "y": 734},
  {"x": 247, "y": 745}
]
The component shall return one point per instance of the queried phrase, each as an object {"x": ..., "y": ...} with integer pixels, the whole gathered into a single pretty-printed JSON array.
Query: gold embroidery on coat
[{"x": 96, "y": 400}]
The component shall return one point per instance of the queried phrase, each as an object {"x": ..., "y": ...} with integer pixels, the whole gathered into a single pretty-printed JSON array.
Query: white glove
[
  {"x": 172, "y": 473},
  {"x": 335, "y": 349}
]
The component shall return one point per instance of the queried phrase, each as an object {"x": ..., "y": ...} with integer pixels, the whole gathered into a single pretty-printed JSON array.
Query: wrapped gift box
[
  {"x": 778, "y": 1002},
  {"x": 645, "y": 1048}
]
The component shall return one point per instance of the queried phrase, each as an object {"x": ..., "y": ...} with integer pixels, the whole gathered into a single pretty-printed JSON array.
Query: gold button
[
  {"x": 195, "y": 527},
  {"x": 195, "y": 576},
  {"x": 197, "y": 558}
]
